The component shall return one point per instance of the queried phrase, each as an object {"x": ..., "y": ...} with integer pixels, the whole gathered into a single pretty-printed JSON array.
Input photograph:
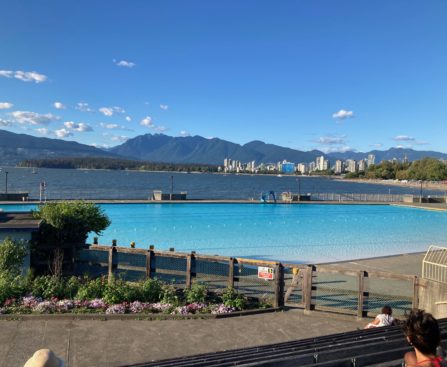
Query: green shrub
[
  {"x": 12, "y": 254},
  {"x": 231, "y": 298},
  {"x": 91, "y": 289},
  {"x": 12, "y": 287},
  {"x": 72, "y": 286},
  {"x": 197, "y": 293},
  {"x": 48, "y": 286},
  {"x": 169, "y": 294},
  {"x": 150, "y": 290},
  {"x": 118, "y": 291}
]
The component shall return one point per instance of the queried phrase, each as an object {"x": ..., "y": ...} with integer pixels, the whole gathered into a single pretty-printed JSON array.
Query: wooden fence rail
[{"x": 320, "y": 287}]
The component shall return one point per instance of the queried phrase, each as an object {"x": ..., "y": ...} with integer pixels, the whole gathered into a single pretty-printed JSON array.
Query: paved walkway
[{"x": 116, "y": 342}]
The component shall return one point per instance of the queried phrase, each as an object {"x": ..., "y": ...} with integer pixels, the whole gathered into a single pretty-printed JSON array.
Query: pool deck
[{"x": 427, "y": 206}]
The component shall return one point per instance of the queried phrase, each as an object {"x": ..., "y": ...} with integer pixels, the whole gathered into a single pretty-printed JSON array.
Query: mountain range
[{"x": 192, "y": 149}]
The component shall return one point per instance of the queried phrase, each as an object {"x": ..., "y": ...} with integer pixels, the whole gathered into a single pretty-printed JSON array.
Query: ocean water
[
  {"x": 104, "y": 184},
  {"x": 308, "y": 233}
]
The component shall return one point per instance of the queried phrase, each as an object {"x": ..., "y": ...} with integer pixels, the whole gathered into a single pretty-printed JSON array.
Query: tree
[{"x": 65, "y": 227}]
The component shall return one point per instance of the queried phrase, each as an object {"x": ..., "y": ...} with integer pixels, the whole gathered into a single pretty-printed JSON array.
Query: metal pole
[
  {"x": 420, "y": 194},
  {"x": 172, "y": 186},
  {"x": 6, "y": 182}
]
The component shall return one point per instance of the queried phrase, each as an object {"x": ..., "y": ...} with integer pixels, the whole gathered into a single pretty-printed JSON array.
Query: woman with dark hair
[
  {"x": 383, "y": 319},
  {"x": 422, "y": 332}
]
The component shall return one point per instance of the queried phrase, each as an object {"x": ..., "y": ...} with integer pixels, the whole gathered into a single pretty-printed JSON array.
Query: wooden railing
[{"x": 311, "y": 287}]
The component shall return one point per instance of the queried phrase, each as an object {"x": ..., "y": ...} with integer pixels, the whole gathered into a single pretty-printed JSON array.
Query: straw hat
[{"x": 44, "y": 358}]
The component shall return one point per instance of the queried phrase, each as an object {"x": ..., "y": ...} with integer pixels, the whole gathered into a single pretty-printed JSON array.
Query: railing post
[
  {"x": 188, "y": 270},
  {"x": 307, "y": 288},
  {"x": 231, "y": 273},
  {"x": 149, "y": 257},
  {"x": 415, "y": 303},
  {"x": 112, "y": 265},
  {"x": 279, "y": 286},
  {"x": 361, "y": 296}
]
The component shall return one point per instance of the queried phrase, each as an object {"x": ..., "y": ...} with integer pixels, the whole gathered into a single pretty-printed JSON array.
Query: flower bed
[{"x": 37, "y": 305}]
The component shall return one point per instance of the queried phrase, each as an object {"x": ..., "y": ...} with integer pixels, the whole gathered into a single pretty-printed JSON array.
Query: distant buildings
[{"x": 320, "y": 164}]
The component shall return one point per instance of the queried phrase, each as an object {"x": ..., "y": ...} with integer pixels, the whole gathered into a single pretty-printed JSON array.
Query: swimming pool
[{"x": 299, "y": 233}]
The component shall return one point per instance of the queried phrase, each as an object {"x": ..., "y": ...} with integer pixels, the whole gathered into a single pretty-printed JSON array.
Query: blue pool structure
[{"x": 311, "y": 233}]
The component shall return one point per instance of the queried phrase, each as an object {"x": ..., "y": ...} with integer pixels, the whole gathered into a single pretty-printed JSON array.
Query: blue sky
[{"x": 330, "y": 75}]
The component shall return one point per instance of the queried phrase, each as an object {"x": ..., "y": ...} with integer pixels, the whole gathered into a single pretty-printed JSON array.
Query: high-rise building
[
  {"x": 321, "y": 164},
  {"x": 362, "y": 165},
  {"x": 338, "y": 167},
  {"x": 371, "y": 159},
  {"x": 302, "y": 168},
  {"x": 351, "y": 165}
]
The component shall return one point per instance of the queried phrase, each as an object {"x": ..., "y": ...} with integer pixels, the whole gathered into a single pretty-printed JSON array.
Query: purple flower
[
  {"x": 221, "y": 309},
  {"x": 116, "y": 309},
  {"x": 31, "y": 301},
  {"x": 45, "y": 307},
  {"x": 65, "y": 305},
  {"x": 96, "y": 304}
]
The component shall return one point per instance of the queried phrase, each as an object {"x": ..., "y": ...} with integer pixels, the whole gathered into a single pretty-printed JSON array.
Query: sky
[{"x": 308, "y": 74}]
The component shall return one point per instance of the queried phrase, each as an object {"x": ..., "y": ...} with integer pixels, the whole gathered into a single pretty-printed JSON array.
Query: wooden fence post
[
  {"x": 188, "y": 270},
  {"x": 231, "y": 273},
  {"x": 149, "y": 257},
  {"x": 307, "y": 288},
  {"x": 279, "y": 286},
  {"x": 112, "y": 265},
  {"x": 361, "y": 294},
  {"x": 415, "y": 303}
]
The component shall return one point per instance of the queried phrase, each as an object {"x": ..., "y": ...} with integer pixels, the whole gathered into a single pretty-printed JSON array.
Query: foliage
[
  {"x": 150, "y": 290},
  {"x": 70, "y": 222},
  {"x": 91, "y": 289},
  {"x": 116, "y": 164},
  {"x": 48, "y": 286},
  {"x": 118, "y": 291},
  {"x": 12, "y": 286},
  {"x": 197, "y": 293},
  {"x": 231, "y": 298},
  {"x": 12, "y": 254},
  {"x": 169, "y": 294}
]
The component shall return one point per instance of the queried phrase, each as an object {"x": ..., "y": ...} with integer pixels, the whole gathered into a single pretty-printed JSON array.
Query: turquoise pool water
[{"x": 298, "y": 233}]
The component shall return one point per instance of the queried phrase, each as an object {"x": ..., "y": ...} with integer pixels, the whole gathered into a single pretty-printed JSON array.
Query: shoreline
[{"x": 438, "y": 186}]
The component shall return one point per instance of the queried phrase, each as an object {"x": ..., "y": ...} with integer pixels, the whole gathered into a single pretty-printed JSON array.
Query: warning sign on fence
[{"x": 265, "y": 273}]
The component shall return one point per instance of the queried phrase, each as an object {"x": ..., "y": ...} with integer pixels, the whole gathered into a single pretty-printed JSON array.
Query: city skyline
[{"x": 304, "y": 75}]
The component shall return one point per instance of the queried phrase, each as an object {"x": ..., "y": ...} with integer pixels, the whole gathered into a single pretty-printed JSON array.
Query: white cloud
[
  {"x": 164, "y": 107},
  {"x": 341, "y": 149},
  {"x": 80, "y": 127},
  {"x": 403, "y": 138},
  {"x": 128, "y": 118},
  {"x": 119, "y": 138},
  {"x": 124, "y": 63},
  {"x": 106, "y": 111},
  {"x": 25, "y": 76},
  {"x": 43, "y": 131},
  {"x": 5, "y": 105},
  {"x": 184, "y": 133},
  {"x": 421, "y": 143},
  {"x": 377, "y": 145},
  {"x": 147, "y": 121},
  {"x": 343, "y": 114},
  {"x": 83, "y": 107},
  {"x": 100, "y": 146},
  {"x": 331, "y": 140},
  {"x": 59, "y": 106},
  {"x": 33, "y": 118},
  {"x": 5, "y": 123},
  {"x": 63, "y": 133},
  {"x": 160, "y": 129},
  {"x": 109, "y": 111},
  {"x": 110, "y": 126}
]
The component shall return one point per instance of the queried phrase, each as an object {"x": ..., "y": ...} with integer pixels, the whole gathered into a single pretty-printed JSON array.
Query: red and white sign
[{"x": 265, "y": 273}]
